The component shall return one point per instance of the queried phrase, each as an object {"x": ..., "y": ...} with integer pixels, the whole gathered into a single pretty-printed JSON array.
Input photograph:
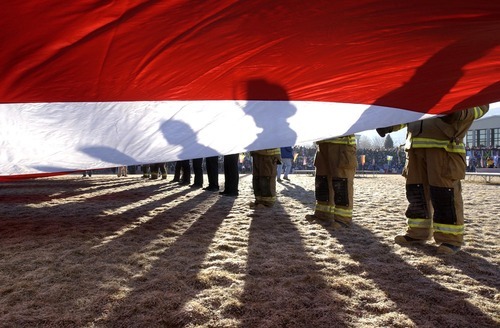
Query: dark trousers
[
  {"x": 177, "y": 171},
  {"x": 231, "y": 173},
  {"x": 198, "y": 171},
  {"x": 212, "y": 164},
  {"x": 186, "y": 171}
]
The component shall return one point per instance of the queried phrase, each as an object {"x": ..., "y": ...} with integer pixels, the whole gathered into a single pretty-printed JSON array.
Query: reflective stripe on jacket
[
  {"x": 268, "y": 152},
  {"x": 347, "y": 140},
  {"x": 443, "y": 132}
]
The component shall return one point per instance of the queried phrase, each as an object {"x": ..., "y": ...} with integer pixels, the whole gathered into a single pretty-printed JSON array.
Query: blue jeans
[{"x": 287, "y": 164}]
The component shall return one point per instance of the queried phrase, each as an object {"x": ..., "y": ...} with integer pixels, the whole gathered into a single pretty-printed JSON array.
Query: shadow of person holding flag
[
  {"x": 268, "y": 104},
  {"x": 180, "y": 134}
]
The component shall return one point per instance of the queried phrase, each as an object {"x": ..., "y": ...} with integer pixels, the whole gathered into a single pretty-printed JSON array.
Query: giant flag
[{"x": 93, "y": 84}]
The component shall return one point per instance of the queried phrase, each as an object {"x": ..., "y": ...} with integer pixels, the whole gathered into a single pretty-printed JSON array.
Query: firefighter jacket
[
  {"x": 349, "y": 140},
  {"x": 268, "y": 152},
  {"x": 445, "y": 132}
]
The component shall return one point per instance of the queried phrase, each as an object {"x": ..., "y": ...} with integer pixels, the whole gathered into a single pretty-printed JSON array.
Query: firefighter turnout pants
[
  {"x": 334, "y": 186},
  {"x": 434, "y": 194},
  {"x": 264, "y": 178}
]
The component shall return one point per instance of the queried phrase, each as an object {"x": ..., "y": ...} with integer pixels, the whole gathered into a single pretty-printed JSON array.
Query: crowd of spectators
[
  {"x": 382, "y": 160},
  {"x": 393, "y": 160},
  {"x": 378, "y": 160},
  {"x": 482, "y": 157}
]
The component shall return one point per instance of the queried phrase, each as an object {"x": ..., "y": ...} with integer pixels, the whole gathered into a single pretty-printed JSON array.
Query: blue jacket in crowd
[{"x": 286, "y": 152}]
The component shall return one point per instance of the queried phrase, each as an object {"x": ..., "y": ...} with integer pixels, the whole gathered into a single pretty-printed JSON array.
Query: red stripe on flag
[{"x": 427, "y": 56}]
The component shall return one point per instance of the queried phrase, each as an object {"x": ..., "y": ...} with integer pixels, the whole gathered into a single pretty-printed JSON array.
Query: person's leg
[
  {"x": 287, "y": 163},
  {"x": 154, "y": 171},
  {"x": 256, "y": 181},
  {"x": 343, "y": 160},
  {"x": 186, "y": 172},
  {"x": 212, "y": 164},
  {"x": 163, "y": 170},
  {"x": 324, "y": 209},
  {"x": 266, "y": 179},
  {"x": 446, "y": 171},
  {"x": 145, "y": 171},
  {"x": 198, "y": 172},
  {"x": 419, "y": 210},
  {"x": 231, "y": 174},
  {"x": 177, "y": 172},
  {"x": 279, "y": 168}
]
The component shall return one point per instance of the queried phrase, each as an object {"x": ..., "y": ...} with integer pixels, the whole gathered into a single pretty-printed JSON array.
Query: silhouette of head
[{"x": 261, "y": 89}]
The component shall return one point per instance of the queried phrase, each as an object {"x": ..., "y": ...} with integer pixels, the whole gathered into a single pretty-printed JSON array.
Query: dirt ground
[{"x": 126, "y": 252}]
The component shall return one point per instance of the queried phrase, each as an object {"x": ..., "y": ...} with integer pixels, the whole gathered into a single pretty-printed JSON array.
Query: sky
[{"x": 400, "y": 136}]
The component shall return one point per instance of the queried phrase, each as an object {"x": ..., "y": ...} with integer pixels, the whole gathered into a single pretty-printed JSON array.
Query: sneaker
[
  {"x": 211, "y": 188},
  {"x": 195, "y": 186},
  {"x": 405, "y": 240},
  {"x": 447, "y": 249},
  {"x": 286, "y": 178},
  {"x": 279, "y": 180}
]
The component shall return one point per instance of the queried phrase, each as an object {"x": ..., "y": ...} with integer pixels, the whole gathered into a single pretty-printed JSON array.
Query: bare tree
[
  {"x": 377, "y": 142},
  {"x": 399, "y": 137},
  {"x": 364, "y": 142}
]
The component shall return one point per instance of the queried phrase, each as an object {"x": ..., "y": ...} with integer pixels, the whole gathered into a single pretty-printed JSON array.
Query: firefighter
[
  {"x": 264, "y": 176},
  {"x": 145, "y": 168},
  {"x": 434, "y": 167},
  {"x": 158, "y": 167},
  {"x": 335, "y": 164}
]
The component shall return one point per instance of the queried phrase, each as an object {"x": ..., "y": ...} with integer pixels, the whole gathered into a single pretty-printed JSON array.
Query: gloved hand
[{"x": 383, "y": 131}]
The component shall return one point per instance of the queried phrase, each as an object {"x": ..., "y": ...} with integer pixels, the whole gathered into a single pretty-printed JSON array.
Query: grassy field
[{"x": 124, "y": 252}]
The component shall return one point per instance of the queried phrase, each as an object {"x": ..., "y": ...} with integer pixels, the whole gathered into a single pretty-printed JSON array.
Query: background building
[
  {"x": 484, "y": 132},
  {"x": 483, "y": 143}
]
